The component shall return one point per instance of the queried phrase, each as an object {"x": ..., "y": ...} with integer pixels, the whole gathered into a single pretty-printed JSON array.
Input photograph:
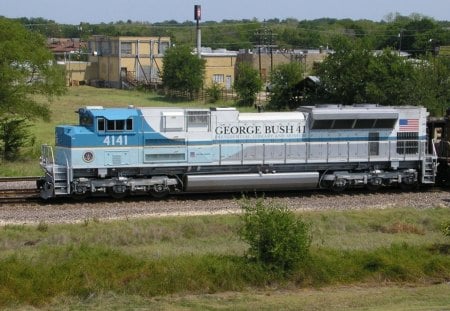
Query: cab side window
[{"x": 114, "y": 125}]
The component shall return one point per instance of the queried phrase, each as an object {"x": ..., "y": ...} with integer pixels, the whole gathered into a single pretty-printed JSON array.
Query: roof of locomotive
[
  {"x": 361, "y": 111},
  {"x": 272, "y": 116},
  {"x": 111, "y": 113}
]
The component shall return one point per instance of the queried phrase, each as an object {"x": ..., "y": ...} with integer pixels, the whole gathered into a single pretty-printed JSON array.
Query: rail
[
  {"x": 22, "y": 178},
  {"x": 17, "y": 195}
]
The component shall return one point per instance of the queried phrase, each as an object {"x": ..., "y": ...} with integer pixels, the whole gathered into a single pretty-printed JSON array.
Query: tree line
[{"x": 416, "y": 34}]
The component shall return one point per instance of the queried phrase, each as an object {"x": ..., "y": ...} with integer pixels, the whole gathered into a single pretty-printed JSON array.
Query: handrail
[
  {"x": 434, "y": 148},
  {"x": 47, "y": 156}
]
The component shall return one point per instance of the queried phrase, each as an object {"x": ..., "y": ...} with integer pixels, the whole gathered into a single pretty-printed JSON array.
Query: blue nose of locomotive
[{"x": 64, "y": 135}]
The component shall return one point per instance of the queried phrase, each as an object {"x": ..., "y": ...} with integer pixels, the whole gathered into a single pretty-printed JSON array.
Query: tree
[
  {"x": 343, "y": 74},
  {"x": 247, "y": 83},
  {"x": 26, "y": 70},
  {"x": 412, "y": 34},
  {"x": 353, "y": 74},
  {"x": 183, "y": 71},
  {"x": 13, "y": 135},
  {"x": 432, "y": 88},
  {"x": 284, "y": 82},
  {"x": 392, "y": 80}
]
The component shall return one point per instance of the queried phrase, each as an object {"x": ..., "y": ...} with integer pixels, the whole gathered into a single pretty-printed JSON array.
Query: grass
[
  {"x": 199, "y": 262},
  {"x": 63, "y": 112}
]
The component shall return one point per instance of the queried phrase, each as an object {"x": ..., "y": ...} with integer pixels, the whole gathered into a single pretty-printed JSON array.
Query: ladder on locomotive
[
  {"x": 59, "y": 174},
  {"x": 60, "y": 180},
  {"x": 429, "y": 166}
]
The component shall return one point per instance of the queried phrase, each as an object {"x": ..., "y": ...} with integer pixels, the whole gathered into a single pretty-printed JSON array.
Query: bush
[
  {"x": 277, "y": 237},
  {"x": 214, "y": 92},
  {"x": 14, "y": 134}
]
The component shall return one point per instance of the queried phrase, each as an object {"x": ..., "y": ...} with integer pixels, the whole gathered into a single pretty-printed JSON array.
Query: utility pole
[
  {"x": 400, "y": 35},
  {"x": 265, "y": 40}
]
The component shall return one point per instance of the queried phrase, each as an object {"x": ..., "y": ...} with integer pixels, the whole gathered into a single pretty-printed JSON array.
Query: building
[
  {"x": 265, "y": 60},
  {"x": 127, "y": 61},
  {"x": 62, "y": 48},
  {"x": 220, "y": 67}
]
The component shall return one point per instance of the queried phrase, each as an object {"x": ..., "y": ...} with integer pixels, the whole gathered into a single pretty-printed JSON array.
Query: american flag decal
[{"x": 409, "y": 125}]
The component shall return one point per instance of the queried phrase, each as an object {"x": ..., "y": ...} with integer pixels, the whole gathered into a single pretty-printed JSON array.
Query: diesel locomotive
[{"x": 157, "y": 151}]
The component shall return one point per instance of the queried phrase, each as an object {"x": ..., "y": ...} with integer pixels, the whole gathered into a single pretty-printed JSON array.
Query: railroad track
[
  {"x": 15, "y": 179},
  {"x": 17, "y": 195},
  {"x": 10, "y": 192}
]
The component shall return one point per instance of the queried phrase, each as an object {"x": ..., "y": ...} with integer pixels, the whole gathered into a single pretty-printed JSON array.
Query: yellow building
[
  {"x": 127, "y": 61},
  {"x": 219, "y": 67},
  {"x": 266, "y": 61}
]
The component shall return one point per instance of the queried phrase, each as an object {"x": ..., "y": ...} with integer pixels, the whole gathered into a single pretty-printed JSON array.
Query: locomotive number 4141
[{"x": 112, "y": 140}]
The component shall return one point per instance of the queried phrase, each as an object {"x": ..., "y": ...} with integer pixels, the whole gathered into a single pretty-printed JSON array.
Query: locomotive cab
[{"x": 84, "y": 150}]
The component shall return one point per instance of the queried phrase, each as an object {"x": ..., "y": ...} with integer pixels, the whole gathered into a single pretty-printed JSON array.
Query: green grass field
[{"x": 393, "y": 259}]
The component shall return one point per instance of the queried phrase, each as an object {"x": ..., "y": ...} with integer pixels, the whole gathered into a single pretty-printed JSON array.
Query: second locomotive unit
[{"x": 121, "y": 151}]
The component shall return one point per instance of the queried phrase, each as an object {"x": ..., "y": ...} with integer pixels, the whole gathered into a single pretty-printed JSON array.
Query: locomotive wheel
[
  {"x": 159, "y": 191},
  {"x": 80, "y": 193},
  {"x": 117, "y": 194},
  {"x": 408, "y": 186},
  {"x": 79, "y": 196},
  {"x": 339, "y": 185},
  {"x": 159, "y": 194},
  {"x": 374, "y": 184}
]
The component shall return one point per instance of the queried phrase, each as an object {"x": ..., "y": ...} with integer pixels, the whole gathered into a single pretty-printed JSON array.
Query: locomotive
[{"x": 157, "y": 151}]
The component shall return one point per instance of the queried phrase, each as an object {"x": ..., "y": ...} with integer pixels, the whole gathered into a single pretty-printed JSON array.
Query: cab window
[{"x": 114, "y": 125}]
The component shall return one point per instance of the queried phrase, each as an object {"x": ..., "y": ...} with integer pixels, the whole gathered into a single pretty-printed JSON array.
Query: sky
[{"x": 100, "y": 11}]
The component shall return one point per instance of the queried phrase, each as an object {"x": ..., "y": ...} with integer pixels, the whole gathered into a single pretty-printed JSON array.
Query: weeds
[{"x": 42, "y": 226}]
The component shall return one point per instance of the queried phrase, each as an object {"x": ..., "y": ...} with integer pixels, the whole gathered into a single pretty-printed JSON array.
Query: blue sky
[{"x": 97, "y": 11}]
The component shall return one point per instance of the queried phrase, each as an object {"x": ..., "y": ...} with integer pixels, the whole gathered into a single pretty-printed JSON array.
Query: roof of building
[{"x": 61, "y": 45}]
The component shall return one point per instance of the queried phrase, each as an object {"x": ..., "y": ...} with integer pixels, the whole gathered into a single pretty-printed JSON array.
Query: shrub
[
  {"x": 214, "y": 92},
  {"x": 14, "y": 134},
  {"x": 277, "y": 237}
]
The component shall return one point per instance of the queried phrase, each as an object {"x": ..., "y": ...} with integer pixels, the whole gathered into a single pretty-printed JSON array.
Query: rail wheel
[
  {"x": 79, "y": 196},
  {"x": 374, "y": 184},
  {"x": 339, "y": 185},
  {"x": 118, "y": 192},
  {"x": 160, "y": 191},
  {"x": 408, "y": 186},
  {"x": 80, "y": 193}
]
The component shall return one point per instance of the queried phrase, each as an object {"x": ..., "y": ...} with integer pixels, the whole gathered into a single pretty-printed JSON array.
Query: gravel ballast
[{"x": 70, "y": 211}]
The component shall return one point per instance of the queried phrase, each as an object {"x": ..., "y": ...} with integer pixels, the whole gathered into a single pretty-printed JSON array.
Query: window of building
[
  {"x": 407, "y": 142},
  {"x": 218, "y": 78},
  {"x": 163, "y": 46},
  {"x": 125, "y": 48}
]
